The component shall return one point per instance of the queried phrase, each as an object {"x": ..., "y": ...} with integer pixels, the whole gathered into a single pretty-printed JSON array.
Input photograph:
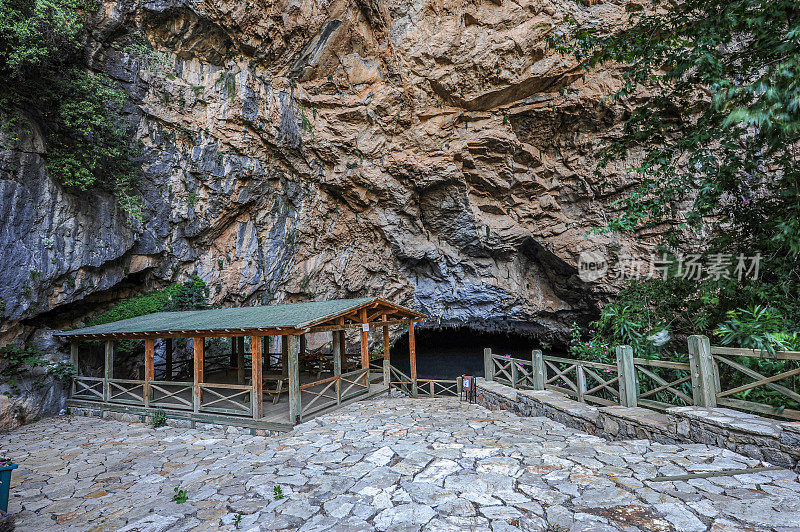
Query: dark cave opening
[{"x": 451, "y": 352}]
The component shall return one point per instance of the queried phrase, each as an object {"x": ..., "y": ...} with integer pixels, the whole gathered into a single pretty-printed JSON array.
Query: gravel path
[{"x": 388, "y": 464}]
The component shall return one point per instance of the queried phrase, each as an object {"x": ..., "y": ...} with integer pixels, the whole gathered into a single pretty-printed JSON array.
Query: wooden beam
[
  {"x": 267, "y": 340},
  {"x": 168, "y": 359},
  {"x": 197, "y": 392},
  {"x": 284, "y": 356},
  {"x": 412, "y": 352},
  {"x": 149, "y": 369},
  {"x": 109, "y": 368},
  {"x": 293, "y": 345},
  {"x": 386, "y": 361},
  {"x": 240, "y": 374},
  {"x": 257, "y": 397},
  {"x": 345, "y": 326},
  {"x": 337, "y": 349},
  {"x": 364, "y": 340},
  {"x": 385, "y": 339}
]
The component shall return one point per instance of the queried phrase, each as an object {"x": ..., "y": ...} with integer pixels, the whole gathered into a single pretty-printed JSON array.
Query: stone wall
[
  {"x": 773, "y": 441},
  {"x": 172, "y": 422}
]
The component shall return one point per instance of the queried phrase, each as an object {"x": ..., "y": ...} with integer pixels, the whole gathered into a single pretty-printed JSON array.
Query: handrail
[
  {"x": 756, "y": 353},
  {"x": 658, "y": 383}
]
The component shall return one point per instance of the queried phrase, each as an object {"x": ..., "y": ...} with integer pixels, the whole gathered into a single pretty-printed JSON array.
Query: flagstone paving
[{"x": 387, "y": 464}]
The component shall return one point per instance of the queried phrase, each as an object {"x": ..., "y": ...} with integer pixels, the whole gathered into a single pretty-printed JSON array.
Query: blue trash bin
[{"x": 5, "y": 485}]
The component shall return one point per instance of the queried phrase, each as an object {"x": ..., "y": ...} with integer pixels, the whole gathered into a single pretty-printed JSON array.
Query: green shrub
[
  {"x": 191, "y": 295},
  {"x": 43, "y": 75},
  {"x": 16, "y": 361},
  {"x": 158, "y": 419}
]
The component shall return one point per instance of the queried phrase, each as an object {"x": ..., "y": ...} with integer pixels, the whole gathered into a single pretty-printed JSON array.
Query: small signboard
[{"x": 365, "y": 327}]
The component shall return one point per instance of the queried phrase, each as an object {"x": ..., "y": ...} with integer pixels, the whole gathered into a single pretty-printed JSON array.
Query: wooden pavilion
[{"x": 269, "y": 394}]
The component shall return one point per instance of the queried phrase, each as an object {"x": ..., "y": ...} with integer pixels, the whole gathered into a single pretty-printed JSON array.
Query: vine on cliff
[
  {"x": 719, "y": 139},
  {"x": 44, "y": 79}
]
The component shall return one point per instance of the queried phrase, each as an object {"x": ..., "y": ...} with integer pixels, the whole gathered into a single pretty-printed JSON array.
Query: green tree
[
  {"x": 718, "y": 133},
  {"x": 44, "y": 78}
]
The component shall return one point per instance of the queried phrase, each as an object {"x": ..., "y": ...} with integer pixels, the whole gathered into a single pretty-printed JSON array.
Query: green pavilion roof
[{"x": 282, "y": 316}]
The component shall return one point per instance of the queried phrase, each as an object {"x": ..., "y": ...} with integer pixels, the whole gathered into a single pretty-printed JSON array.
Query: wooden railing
[
  {"x": 663, "y": 383},
  {"x": 712, "y": 376},
  {"x": 582, "y": 379},
  {"x": 322, "y": 394},
  {"x": 88, "y": 388},
  {"x": 125, "y": 391},
  {"x": 400, "y": 381},
  {"x": 784, "y": 395},
  {"x": 226, "y": 398},
  {"x": 171, "y": 394},
  {"x": 424, "y": 387},
  {"x": 438, "y": 388}
]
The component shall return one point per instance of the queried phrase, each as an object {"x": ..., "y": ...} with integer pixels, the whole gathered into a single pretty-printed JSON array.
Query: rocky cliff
[{"x": 435, "y": 152}]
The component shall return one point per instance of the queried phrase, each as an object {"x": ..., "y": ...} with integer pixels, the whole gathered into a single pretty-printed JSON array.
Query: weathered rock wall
[{"x": 438, "y": 153}]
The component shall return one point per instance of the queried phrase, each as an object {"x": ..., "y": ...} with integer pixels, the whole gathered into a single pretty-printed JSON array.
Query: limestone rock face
[{"x": 437, "y": 153}]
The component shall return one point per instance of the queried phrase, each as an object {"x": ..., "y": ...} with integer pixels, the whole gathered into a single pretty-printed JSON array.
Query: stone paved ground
[{"x": 389, "y": 464}]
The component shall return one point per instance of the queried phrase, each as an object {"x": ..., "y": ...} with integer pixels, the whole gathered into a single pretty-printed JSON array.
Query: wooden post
[
  {"x": 257, "y": 395},
  {"x": 109, "y": 369},
  {"x": 168, "y": 360},
  {"x": 240, "y": 373},
  {"x": 538, "y": 369},
  {"x": 459, "y": 386},
  {"x": 197, "y": 392},
  {"x": 514, "y": 372},
  {"x": 628, "y": 389},
  {"x": 386, "y": 360},
  {"x": 337, "y": 353},
  {"x": 267, "y": 352},
  {"x": 412, "y": 353},
  {"x": 701, "y": 365},
  {"x": 234, "y": 359},
  {"x": 364, "y": 343},
  {"x": 293, "y": 345},
  {"x": 336, "y": 350},
  {"x": 488, "y": 364},
  {"x": 343, "y": 343},
  {"x": 284, "y": 356},
  {"x": 581, "y": 383},
  {"x": 149, "y": 369},
  {"x": 73, "y": 358}
]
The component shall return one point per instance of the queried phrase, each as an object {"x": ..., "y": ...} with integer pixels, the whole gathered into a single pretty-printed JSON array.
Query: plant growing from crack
[
  {"x": 159, "y": 419},
  {"x": 180, "y": 496},
  {"x": 278, "y": 493},
  {"x": 237, "y": 520}
]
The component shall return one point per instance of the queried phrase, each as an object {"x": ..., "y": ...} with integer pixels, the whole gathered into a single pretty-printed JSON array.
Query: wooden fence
[
  {"x": 431, "y": 388},
  {"x": 710, "y": 376},
  {"x": 207, "y": 397},
  {"x": 325, "y": 393}
]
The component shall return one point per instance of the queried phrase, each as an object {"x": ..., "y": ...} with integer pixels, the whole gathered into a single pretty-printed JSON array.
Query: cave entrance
[{"x": 452, "y": 352}]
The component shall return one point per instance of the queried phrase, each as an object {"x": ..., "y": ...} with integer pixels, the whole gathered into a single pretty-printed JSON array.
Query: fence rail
[
  {"x": 171, "y": 394},
  {"x": 226, "y": 398},
  {"x": 431, "y": 388},
  {"x": 324, "y": 393},
  {"x": 439, "y": 387},
  {"x": 711, "y": 376},
  {"x": 400, "y": 381},
  {"x": 741, "y": 381},
  {"x": 88, "y": 388}
]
